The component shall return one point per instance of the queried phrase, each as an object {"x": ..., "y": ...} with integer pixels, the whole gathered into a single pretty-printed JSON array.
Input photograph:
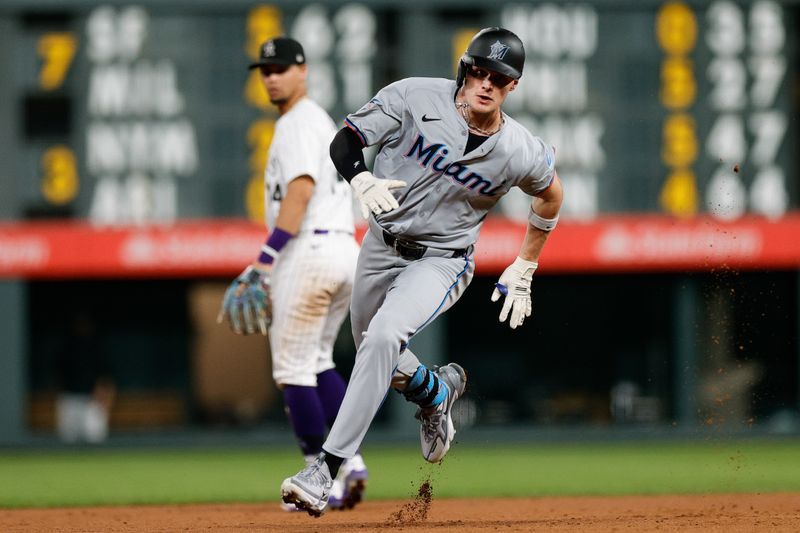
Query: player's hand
[
  {"x": 375, "y": 194},
  {"x": 515, "y": 285},
  {"x": 247, "y": 304},
  {"x": 364, "y": 209}
]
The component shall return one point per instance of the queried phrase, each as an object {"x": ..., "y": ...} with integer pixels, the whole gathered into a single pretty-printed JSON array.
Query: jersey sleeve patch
[{"x": 539, "y": 168}]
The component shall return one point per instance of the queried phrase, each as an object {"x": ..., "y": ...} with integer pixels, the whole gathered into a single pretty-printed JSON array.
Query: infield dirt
[{"x": 727, "y": 513}]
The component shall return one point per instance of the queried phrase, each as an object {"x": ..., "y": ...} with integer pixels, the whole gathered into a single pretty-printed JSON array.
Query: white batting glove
[
  {"x": 374, "y": 194},
  {"x": 515, "y": 285}
]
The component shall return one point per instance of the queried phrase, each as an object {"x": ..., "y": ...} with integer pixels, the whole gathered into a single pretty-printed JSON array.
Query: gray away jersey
[{"x": 422, "y": 137}]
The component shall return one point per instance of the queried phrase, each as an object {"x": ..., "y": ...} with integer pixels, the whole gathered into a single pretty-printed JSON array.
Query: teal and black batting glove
[{"x": 247, "y": 304}]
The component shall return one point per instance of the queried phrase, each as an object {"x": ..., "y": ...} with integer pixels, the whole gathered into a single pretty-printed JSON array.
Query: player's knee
[{"x": 381, "y": 338}]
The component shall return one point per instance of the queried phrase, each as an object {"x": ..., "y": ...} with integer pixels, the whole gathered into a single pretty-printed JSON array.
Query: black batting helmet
[{"x": 494, "y": 49}]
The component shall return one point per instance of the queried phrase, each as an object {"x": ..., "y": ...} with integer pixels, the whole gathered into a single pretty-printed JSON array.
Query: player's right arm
[
  {"x": 247, "y": 304},
  {"x": 374, "y": 123},
  {"x": 374, "y": 194}
]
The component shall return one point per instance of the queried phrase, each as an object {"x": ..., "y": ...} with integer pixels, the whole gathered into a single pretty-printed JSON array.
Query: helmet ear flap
[{"x": 462, "y": 73}]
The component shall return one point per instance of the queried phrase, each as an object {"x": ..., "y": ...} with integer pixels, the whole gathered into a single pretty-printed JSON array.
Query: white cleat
[
  {"x": 290, "y": 507},
  {"x": 310, "y": 488}
]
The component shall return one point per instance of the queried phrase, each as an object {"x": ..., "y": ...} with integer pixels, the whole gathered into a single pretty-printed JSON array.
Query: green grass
[{"x": 112, "y": 476}]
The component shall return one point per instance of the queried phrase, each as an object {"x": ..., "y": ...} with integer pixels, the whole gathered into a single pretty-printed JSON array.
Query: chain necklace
[{"x": 463, "y": 109}]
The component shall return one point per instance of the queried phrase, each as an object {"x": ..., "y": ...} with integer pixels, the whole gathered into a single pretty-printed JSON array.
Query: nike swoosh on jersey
[{"x": 425, "y": 118}]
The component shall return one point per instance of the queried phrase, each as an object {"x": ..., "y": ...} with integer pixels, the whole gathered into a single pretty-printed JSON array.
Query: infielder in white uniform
[
  {"x": 303, "y": 278},
  {"x": 447, "y": 154}
]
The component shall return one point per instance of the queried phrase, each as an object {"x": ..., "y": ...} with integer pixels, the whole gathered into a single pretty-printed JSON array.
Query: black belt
[
  {"x": 319, "y": 231},
  {"x": 411, "y": 250}
]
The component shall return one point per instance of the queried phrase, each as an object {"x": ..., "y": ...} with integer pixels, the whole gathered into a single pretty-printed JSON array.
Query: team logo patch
[
  {"x": 269, "y": 49},
  {"x": 372, "y": 104},
  {"x": 498, "y": 51}
]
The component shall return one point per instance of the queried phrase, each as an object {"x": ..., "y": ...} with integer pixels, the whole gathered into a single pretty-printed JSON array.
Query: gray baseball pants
[{"x": 393, "y": 298}]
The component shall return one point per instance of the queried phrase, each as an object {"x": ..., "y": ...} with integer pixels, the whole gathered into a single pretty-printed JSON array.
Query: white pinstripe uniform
[{"x": 312, "y": 279}]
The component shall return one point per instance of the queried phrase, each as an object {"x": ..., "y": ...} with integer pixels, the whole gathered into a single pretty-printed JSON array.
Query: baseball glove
[{"x": 247, "y": 304}]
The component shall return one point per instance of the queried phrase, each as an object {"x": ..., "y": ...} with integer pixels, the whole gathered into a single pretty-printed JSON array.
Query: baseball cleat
[
  {"x": 350, "y": 484},
  {"x": 437, "y": 431},
  {"x": 310, "y": 488}
]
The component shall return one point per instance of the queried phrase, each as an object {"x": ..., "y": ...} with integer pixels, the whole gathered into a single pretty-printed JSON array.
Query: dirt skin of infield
[{"x": 693, "y": 513}]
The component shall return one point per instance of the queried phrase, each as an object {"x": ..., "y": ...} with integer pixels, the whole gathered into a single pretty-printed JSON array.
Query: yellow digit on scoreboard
[
  {"x": 60, "y": 179},
  {"x": 57, "y": 51},
  {"x": 679, "y": 193},
  {"x": 680, "y": 141},
  {"x": 676, "y": 28},
  {"x": 678, "y": 86}
]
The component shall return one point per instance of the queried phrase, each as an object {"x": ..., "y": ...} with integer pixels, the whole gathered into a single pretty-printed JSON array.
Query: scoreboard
[{"x": 126, "y": 114}]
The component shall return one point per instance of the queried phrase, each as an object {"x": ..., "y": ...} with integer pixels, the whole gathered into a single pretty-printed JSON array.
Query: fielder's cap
[{"x": 280, "y": 51}]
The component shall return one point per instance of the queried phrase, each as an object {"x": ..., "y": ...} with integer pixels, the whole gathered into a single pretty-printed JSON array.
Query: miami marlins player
[
  {"x": 305, "y": 270},
  {"x": 447, "y": 154}
]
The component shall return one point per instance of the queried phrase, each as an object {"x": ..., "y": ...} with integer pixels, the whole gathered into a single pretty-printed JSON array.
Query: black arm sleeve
[{"x": 346, "y": 153}]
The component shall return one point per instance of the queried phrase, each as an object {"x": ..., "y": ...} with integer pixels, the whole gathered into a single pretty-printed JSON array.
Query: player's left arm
[
  {"x": 515, "y": 282},
  {"x": 295, "y": 203},
  {"x": 247, "y": 304}
]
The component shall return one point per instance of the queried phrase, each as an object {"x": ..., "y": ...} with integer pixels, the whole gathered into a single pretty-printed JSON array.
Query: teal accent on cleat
[{"x": 437, "y": 430}]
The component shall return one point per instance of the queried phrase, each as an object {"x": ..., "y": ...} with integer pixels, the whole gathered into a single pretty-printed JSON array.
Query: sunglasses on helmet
[{"x": 497, "y": 79}]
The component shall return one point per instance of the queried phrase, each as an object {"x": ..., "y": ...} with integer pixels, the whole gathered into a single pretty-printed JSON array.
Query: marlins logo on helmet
[{"x": 498, "y": 51}]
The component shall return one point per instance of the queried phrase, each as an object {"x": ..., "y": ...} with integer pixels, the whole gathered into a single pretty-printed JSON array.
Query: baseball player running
[
  {"x": 303, "y": 278},
  {"x": 447, "y": 154}
]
